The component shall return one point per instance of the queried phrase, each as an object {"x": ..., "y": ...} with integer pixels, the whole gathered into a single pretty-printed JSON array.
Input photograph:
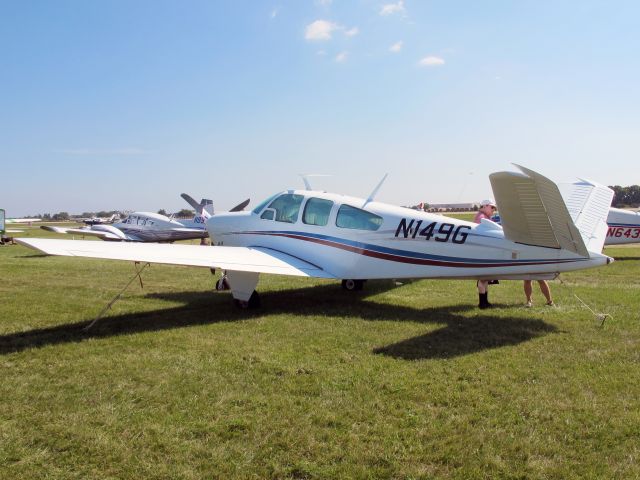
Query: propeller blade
[
  {"x": 240, "y": 206},
  {"x": 189, "y": 199}
]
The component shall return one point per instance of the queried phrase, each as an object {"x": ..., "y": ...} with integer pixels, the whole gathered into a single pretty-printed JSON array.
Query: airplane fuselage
[
  {"x": 623, "y": 227},
  {"x": 350, "y": 238},
  {"x": 151, "y": 227}
]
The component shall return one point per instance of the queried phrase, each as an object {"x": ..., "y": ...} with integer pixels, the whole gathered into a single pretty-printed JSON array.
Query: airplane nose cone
[{"x": 221, "y": 225}]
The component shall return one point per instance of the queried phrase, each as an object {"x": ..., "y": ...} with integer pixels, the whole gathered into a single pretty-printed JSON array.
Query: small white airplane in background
[
  {"x": 101, "y": 220},
  {"x": 151, "y": 227},
  {"x": 8, "y": 221},
  {"x": 317, "y": 234}
]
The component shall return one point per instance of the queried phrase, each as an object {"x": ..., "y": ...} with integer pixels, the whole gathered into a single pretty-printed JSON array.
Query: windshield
[{"x": 264, "y": 203}]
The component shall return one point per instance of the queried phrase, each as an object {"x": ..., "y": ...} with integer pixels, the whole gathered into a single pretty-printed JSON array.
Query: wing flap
[{"x": 242, "y": 259}]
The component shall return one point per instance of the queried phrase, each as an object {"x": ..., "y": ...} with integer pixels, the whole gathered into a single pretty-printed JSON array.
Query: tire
[{"x": 352, "y": 285}]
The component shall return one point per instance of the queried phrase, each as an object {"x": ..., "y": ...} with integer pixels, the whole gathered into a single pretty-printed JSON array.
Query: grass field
[{"x": 409, "y": 381}]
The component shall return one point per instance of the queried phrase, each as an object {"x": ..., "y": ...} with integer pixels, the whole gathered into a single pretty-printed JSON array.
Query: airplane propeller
[{"x": 199, "y": 206}]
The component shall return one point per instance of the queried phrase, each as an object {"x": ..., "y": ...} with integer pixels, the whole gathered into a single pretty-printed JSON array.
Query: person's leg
[
  {"x": 528, "y": 290},
  {"x": 483, "y": 294},
  {"x": 546, "y": 291}
]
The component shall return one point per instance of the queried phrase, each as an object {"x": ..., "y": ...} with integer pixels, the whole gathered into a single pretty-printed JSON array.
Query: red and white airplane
[
  {"x": 317, "y": 234},
  {"x": 624, "y": 227}
]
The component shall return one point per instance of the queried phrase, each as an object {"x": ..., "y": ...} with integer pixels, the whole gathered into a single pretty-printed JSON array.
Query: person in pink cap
[{"x": 486, "y": 210}]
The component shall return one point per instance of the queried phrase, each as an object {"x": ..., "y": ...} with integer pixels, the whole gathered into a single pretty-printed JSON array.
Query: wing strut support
[{"x": 117, "y": 297}]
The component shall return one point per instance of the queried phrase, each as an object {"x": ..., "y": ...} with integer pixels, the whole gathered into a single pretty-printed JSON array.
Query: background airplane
[
  {"x": 151, "y": 227},
  {"x": 101, "y": 220},
  {"x": 7, "y": 221},
  {"x": 318, "y": 234},
  {"x": 624, "y": 227}
]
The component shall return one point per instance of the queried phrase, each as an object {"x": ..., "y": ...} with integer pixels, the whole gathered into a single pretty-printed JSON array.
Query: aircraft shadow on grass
[
  {"x": 626, "y": 259},
  {"x": 458, "y": 335}
]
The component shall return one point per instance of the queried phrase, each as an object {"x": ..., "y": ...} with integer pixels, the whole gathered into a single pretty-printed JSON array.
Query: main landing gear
[{"x": 353, "y": 285}]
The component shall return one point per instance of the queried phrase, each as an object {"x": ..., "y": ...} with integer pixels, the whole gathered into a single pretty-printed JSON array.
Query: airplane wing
[
  {"x": 242, "y": 259},
  {"x": 533, "y": 212},
  {"x": 81, "y": 231}
]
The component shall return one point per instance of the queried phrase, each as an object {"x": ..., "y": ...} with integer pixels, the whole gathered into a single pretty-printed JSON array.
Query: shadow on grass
[
  {"x": 459, "y": 335},
  {"x": 625, "y": 259}
]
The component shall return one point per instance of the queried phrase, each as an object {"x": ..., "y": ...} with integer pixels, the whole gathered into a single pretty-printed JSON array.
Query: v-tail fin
[
  {"x": 589, "y": 205},
  {"x": 534, "y": 212}
]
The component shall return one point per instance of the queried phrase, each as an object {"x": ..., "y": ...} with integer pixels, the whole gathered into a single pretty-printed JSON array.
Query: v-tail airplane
[{"x": 311, "y": 233}]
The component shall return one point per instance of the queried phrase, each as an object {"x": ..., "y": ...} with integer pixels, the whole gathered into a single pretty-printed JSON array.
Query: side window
[
  {"x": 316, "y": 211},
  {"x": 351, "y": 217},
  {"x": 286, "y": 207}
]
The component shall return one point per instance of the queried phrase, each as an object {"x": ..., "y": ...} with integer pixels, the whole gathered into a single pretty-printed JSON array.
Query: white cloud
[
  {"x": 342, "y": 57},
  {"x": 274, "y": 12},
  {"x": 323, "y": 30},
  {"x": 324, "y": 3},
  {"x": 396, "y": 47},
  {"x": 320, "y": 30},
  {"x": 431, "y": 61},
  {"x": 391, "y": 8},
  {"x": 352, "y": 32}
]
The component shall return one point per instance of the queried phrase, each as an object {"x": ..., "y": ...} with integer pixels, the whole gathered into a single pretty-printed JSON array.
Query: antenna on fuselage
[
  {"x": 305, "y": 179},
  {"x": 373, "y": 194}
]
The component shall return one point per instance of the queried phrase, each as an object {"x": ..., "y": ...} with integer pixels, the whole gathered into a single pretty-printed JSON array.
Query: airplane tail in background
[
  {"x": 588, "y": 204},
  {"x": 534, "y": 212},
  {"x": 203, "y": 209}
]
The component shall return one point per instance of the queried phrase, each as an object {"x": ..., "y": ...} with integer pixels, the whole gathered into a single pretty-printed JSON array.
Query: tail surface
[
  {"x": 589, "y": 205},
  {"x": 534, "y": 212},
  {"x": 203, "y": 209}
]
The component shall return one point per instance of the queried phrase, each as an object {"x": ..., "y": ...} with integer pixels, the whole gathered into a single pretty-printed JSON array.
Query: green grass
[{"x": 408, "y": 381}]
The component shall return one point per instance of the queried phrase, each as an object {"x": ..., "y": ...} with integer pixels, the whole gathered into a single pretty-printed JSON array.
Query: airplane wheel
[
  {"x": 222, "y": 284},
  {"x": 254, "y": 301},
  {"x": 352, "y": 285}
]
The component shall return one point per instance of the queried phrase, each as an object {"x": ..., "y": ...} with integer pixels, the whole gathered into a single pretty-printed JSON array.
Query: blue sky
[{"x": 126, "y": 104}]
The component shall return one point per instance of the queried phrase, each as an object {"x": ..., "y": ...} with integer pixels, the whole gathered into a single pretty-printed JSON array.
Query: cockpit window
[
  {"x": 287, "y": 207},
  {"x": 264, "y": 203},
  {"x": 316, "y": 211},
  {"x": 357, "y": 219}
]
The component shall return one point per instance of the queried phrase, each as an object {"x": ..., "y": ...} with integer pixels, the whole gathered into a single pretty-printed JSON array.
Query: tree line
[
  {"x": 626, "y": 196},
  {"x": 64, "y": 216}
]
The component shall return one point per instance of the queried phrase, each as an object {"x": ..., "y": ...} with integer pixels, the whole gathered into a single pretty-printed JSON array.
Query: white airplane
[
  {"x": 624, "y": 227},
  {"x": 317, "y": 234},
  {"x": 151, "y": 227},
  {"x": 8, "y": 221},
  {"x": 101, "y": 220}
]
